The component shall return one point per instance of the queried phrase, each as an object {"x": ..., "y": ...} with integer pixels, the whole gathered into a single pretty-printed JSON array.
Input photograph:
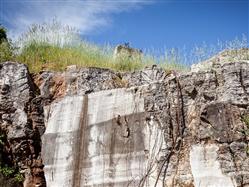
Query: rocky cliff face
[
  {"x": 95, "y": 127},
  {"x": 22, "y": 124}
]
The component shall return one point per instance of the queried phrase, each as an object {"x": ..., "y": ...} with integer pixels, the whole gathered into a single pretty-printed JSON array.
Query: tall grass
[
  {"x": 204, "y": 51},
  {"x": 54, "y": 46},
  {"x": 43, "y": 56},
  {"x": 53, "y": 33},
  {"x": 185, "y": 57}
]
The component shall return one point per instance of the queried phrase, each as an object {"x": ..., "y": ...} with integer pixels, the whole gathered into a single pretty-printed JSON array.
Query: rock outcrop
[
  {"x": 96, "y": 127},
  {"x": 22, "y": 124}
]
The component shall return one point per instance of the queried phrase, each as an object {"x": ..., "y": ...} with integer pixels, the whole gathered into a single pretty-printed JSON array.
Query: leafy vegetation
[
  {"x": 18, "y": 177},
  {"x": 245, "y": 131},
  {"x": 245, "y": 119},
  {"x": 11, "y": 172},
  {"x": 6, "y": 49},
  {"x": 53, "y": 46},
  {"x": 3, "y": 35},
  {"x": 7, "y": 171}
]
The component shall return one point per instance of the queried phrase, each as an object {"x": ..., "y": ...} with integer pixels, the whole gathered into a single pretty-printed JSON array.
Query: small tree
[
  {"x": 3, "y": 35},
  {"x": 6, "y": 49}
]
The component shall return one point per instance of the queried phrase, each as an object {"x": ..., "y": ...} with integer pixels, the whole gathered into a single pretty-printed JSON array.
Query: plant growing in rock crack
[
  {"x": 11, "y": 172},
  {"x": 18, "y": 177},
  {"x": 7, "y": 171},
  {"x": 245, "y": 119}
]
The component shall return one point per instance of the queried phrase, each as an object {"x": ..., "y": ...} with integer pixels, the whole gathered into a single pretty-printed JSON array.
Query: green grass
[
  {"x": 54, "y": 46},
  {"x": 44, "y": 56}
]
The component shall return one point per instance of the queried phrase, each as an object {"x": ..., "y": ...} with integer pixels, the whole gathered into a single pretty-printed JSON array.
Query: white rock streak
[
  {"x": 58, "y": 140},
  {"x": 102, "y": 149},
  {"x": 106, "y": 105},
  {"x": 206, "y": 168}
]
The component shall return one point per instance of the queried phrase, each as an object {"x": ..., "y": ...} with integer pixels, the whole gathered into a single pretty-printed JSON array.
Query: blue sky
[{"x": 143, "y": 23}]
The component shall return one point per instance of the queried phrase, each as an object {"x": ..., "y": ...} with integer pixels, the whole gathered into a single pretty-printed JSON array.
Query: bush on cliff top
[{"x": 6, "y": 48}]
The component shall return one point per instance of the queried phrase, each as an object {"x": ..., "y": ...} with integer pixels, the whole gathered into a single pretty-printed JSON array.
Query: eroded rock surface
[
  {"x": 21, "y": 119},
  {"x": 147, "y": 128}
]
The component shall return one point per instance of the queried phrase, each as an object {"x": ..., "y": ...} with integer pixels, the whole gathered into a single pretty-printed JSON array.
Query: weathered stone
[
  {"x": 179, "y": 111},
  {"x": 127, "y": 52},
  {"x": 144, "y": 128},
  {"x": 226, "y": 56},
  {"x": 22, "y": 145}
]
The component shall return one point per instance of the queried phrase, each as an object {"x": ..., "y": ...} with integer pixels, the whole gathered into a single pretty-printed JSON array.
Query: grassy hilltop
[{"x": 53, "y": 46}]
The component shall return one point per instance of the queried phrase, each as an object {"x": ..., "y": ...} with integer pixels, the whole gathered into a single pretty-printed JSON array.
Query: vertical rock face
[
  {"x": 99, "y": 140},
  {"x": 167, "y": 130},
  {"x": 21, "y": 119},
  {"x": 146, "y": 128},
  {"x": 60, "y": 141}
]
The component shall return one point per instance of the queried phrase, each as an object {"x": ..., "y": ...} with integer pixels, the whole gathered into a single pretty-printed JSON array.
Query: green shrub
[
  {"x": 11, "y": 172},
  {"x": 247, "y": 150},
  {"x": 6, "y": 48},
  {"x": 3, "y": 35},
  {"x": 7, "y": 171},
  {"x": 19, "y": 177},
  {"x": 245, "y": 131},
  {"x": 245, "y": 119},
  {"x": 6, "y": 51}
]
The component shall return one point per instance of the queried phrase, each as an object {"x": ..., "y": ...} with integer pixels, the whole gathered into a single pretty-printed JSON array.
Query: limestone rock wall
[
  {"x": 98, "y": 143},
  {"x": 22, "y": 124},
  {"x": 149, "y": 128}
]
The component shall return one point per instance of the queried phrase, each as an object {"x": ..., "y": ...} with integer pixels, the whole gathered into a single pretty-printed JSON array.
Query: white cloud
[{"x": 87, "y": 16}]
